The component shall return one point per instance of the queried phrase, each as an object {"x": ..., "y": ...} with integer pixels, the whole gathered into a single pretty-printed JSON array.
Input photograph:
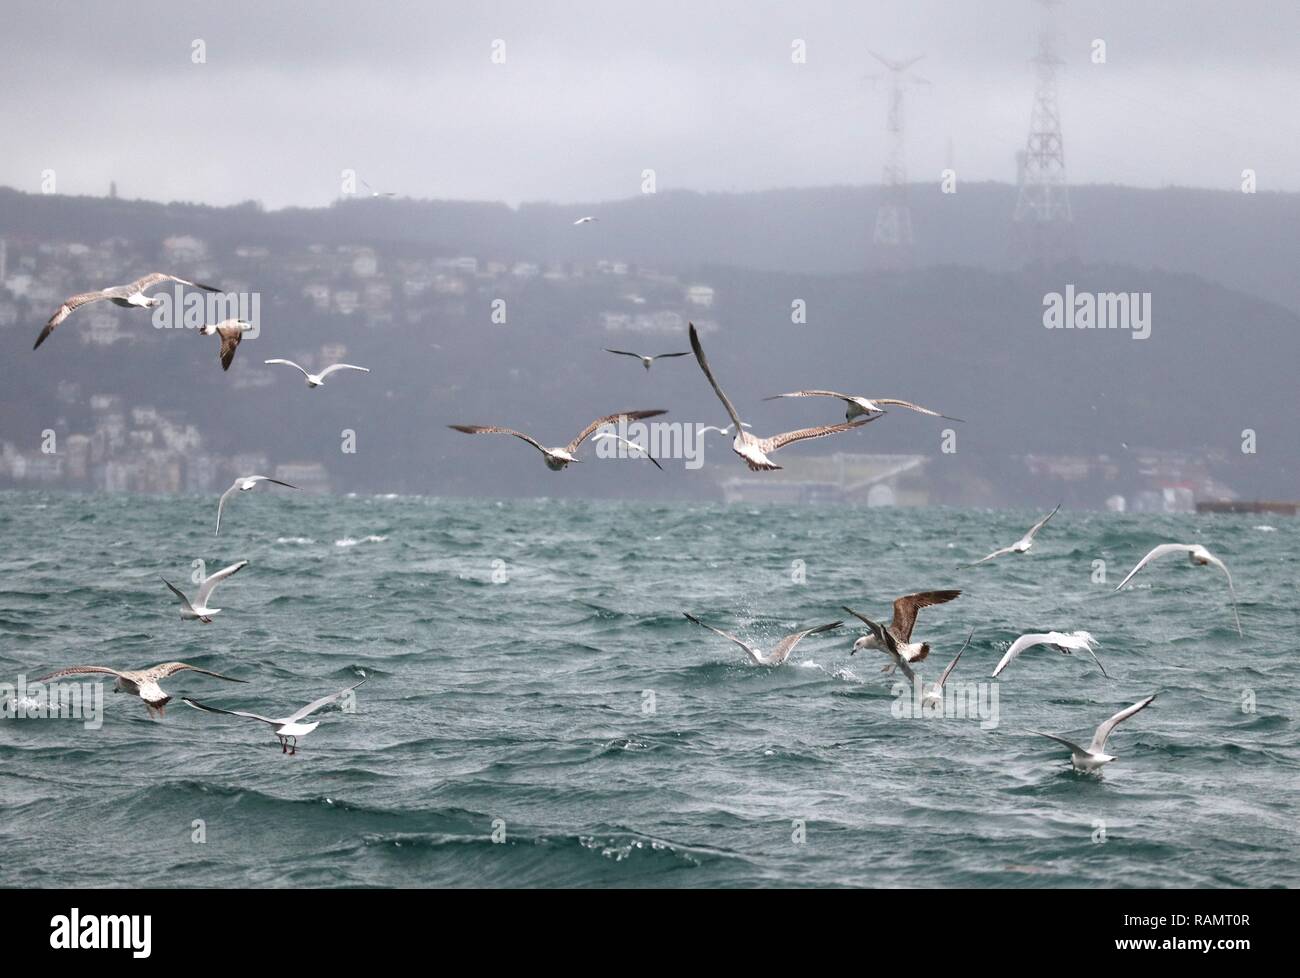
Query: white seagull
[
  {"x": 934, "y": 695},
  {"x": 722, "y": 431},
  {"x": 376, "y": 193},
  {"x": 316, "y": 380},
  {"x": 1063, "y": 642},
  {"x": 1024, "y": 543},
  {"x": 630, "y": 444},
  {"x": 755, "y": 450},
  {"x": 557, "y": 458},
  {"x": 1094, "y": 755},
  {"x": 859, "y": 405},
  {"x": 646, "y": 360},
  {"x": 199, "y": 609},
  {"x": 783, "y": 648},
  {"x": 140, "y": 682},
  {"x": 243, "y": 485},
  {"x": 1198, "y": 556},
  {"x": 900, "y": 628},
  {"x": 585, "y": 220},
  {"x": 131, "y": 295},
  {"x": 231, "y": 332},
  {"x": 288, "y": 729}
]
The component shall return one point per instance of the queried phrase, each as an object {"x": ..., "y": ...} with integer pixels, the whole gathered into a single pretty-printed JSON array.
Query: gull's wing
[
  {"x": 1022, "y": 643},
  {"x": 661, "y": 356},
  {"x": 1040, "y": 524},
  {"x": 267, "y": 478},
  {"x": 622, "y": 353},
  {"x": 877, "y": 629},
  {"x": 165, "y": 669},
  {"x": 78, "y": 671},
  {"x": 1232, "y": 593},
  {"x": 773, "y": 442},
  {"x": 230, "y": 337},
  {"x": 787, "y": 644},
  {"x": 914, "y": 407},
  {"x": 221, "y": 504},
  {"x": 906, "y": 607},
  {"x": 230, "y": 713},
  {"x": 1098, "y": 744},
  {"x": 842, "y": 397},
  {"x": 185, "y": 602},
  {"x": 753, "y": 652},
  {"x": 289, "y": 363},
  {"x": 212, "y": 580},
  {"x": 996, "y": 553},
  {"x": 154, "y": 278},
  {"x": 341, "y": 366},
  {"x": 1155, "y": 554},
  {"x": 631, "y": 444},
  {"x": 953, "y": 664},
  {"x": 611, "y": 419},
  {"x": 324, "y": 701},
  {"x": 1075, "y": 748},
  {"x": 704, "y": 365},
  {"x": 65, "y": 310},
  {"x": 490, "y": 429},
  {"x": 1080, "y": 640}
]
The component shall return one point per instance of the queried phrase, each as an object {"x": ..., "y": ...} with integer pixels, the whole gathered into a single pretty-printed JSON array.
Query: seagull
[
  {"x": 585, "y": 220},
  {"x": 630, "y": 444},
  {"x": 131, "y": 295},
  {"x": 900, "y": 628},
  {"x": 231, "y": 332},
  {"x": 376, "y": 193},
  {"x": 140, "y": 682},
  {"x": 1199, "y": 556},
  {"x": 783, "y": 647},
  {"x": 1063, "y": 642},
  {"x": 934, "y": 695},
  {"x": 288, "y": 728},
  {"x": 646, "y": 360},
  {"x": 316, "y": 380},
  {"x": 722, "y": 431},
  {"x": 558, "y": 458},
  {"x": 199, "y": 609},
  {"x": 1024, "y": 543},
  {"x": 755, "y": 450},
  {"x": 1094, "y": 755},
  {"x": 243, "y": 485},
  {"x": 859, "y": 405}
]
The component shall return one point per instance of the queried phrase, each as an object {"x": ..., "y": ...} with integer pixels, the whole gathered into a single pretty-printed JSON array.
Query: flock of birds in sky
[{"x": 895, "y": 639}]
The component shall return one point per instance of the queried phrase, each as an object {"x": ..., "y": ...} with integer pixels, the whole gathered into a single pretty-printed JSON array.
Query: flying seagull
[
  {"x": 630, "y": 444},
  {"x": 859, "y": 405},
  {"x": 750, "y": 448},
  {"x": 1199, "y": 556},
  {"x": 287, "y": 729},
  {"x": 199, "y": 609},
  {"x": 243, "y": 485},
  {"x": 316, "y": 380},
  {"x": 934, "y": 695},
  {"x": 558, "y": 458},
  {"x": 1024, "y": 543},
  {"x": 646, "y": 361},
  {"x": 783, "y": 647},
  {"x": 722, "y": 431},
  {"x": 1063, "y": 642},
  {"x": 376, "y": 193},
  {"x": 131, "y": 295},
  {"x": 900, "y": 628},
  {"x": 140, "y": 682},
  {"x": 231, "y": 332},
  {"x": 585, "y": 220},
  {"x": 1094, "y": 755}
]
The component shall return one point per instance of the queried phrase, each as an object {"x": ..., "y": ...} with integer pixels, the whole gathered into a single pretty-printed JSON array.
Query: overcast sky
[{"x": 591, "y": 93}]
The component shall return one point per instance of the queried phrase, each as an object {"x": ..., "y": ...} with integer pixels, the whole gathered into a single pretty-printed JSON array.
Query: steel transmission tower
[
  {"x": 1043, "y": 202},
  {"x": 894, "y": 219}
]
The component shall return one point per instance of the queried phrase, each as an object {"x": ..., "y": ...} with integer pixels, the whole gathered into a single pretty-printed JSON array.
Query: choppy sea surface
[{"x": 539, "y": 713}]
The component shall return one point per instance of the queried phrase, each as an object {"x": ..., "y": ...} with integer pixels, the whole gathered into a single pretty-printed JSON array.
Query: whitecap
[
  {"x": 1267, "y": 529},
  {"x": 303, "y": 540},
  {"x": 353, "y": 541}
]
